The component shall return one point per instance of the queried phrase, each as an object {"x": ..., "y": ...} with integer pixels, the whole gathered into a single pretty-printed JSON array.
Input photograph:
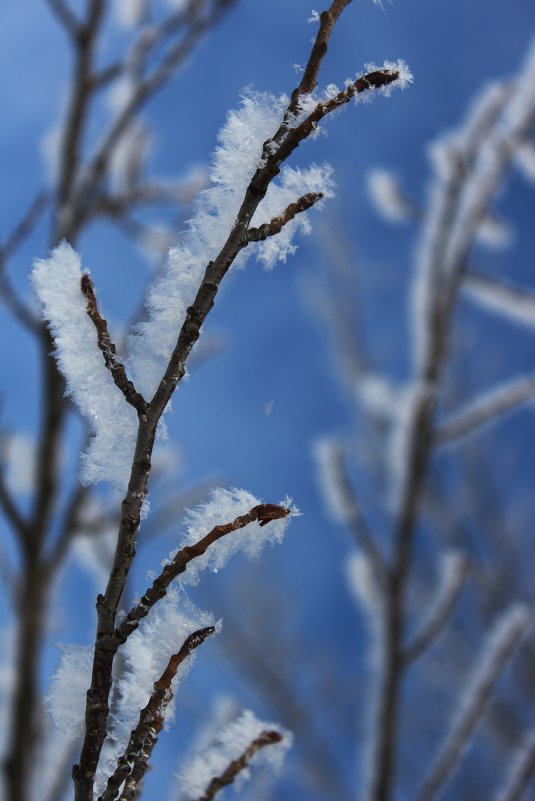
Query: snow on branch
[
  {"x": 133, "y": 764},
  {"x": 514, "y": 303},
  {"x": 242, "y": 744},
  {"x": 57, "y": 282},
  {"x": 65, "y": 700},
  {"x": 486, "y": 409},
  {"x": 521, "y": 772},
  {"x": 497, "y": 652},
  {"x": 253, "y": 526},
  {"x": 388, "y": 197}
]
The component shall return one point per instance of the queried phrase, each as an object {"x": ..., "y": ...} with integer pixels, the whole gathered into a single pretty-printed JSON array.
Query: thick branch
[
  {"x": 109, "y": 351},
  {"x": 152, "y": 715},
  {"x": 235, "y": 767},
  {"x": 263, "y": 513},
  {"x": 277, "y": 223}
]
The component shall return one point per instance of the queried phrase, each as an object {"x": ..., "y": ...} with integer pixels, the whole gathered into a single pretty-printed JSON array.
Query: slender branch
[
  {"x": 499, "y": 651},
  {"x": 97, "y": 707},
  {"x": 514, "y": 302},
  {"x": 277, "y": 223},
  {"x": 263, "y": 513},
  {"x": 484, "y": 410},
  {"x": 235, "y": 767},
  {"x": 65, "y": 16},
  {"x": 448, "y": 594},
  {"x": 521, "y": 774},
  {"x": 151, "y": 716},
  {"x": 109, "y": 351},
  {"x": 11, "y": 510}
]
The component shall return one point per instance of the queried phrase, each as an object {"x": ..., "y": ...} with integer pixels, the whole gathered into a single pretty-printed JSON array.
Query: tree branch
[
  {"x": 151, "y": 718},
  {"x": 277, "y": 223},
  {"x": 498, "y": 652},
  {"x": 485, "y": 409},
  {"x": 109, "y": 351},
  {"x": 235, "y": 767},
  {"x": 263, "y": 513},
  {"x": 66, "y": 18}
]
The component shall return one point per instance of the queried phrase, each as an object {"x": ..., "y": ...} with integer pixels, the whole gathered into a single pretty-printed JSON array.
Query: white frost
[
  {"x": 229, "y": 744},
  {"x": 66, "y": 696},
  {"x": 388, "y": 197},
  {"x": 223, "y": 507},
  {"x": 112, "y": 421}
]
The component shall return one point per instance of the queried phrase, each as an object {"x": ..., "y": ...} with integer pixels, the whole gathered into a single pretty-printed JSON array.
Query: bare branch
[
  {"x": 109, "y": 351},
  {"x": 263, "y": 513},
  {"x": 277, "y": 223},
  {"x": 498, "y": 652},
  {"x": 235, "y": 767},
  {"x": 11, "y": 510},
  {"x": 151, "y": 718},
  {"x": 64, "y": 15},
  {"x": 486, "y": 409},
  {"x": 448, "y": 593}
]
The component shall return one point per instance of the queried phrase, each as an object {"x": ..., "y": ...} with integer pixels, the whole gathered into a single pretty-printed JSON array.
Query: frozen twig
[
  {"x": 277, "y": 223},
  {"x": 512, "y": 302},
  {"x": 109, "y": 351},
  {"x": 484, "y": 410},
  {"x": 151, "y": 718},
  {"x": 521, "y": 773},
  {"x": 498, "y": 651},
  {"x": 263, "y": 513},
  {"x": 235, "y": 767}
]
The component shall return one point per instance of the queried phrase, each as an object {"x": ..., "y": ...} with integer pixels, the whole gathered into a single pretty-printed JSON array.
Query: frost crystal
[
  {"x": 147, "y": 653},
  {"x": 235, "y": 160},
  {"x": 112, "y": 421},
  {"x": 66, "y": 697},
  {"x": 223, "y": 507},
  {"x": 228, "y": 745}
]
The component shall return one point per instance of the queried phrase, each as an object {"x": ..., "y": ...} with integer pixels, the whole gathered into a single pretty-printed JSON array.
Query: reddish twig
[
  {"x": 277, "y": 223},
  {"x": 235, "y": 767},
  {"x": 109, "y": 351},
  {"x": 151, "y": 719},
  {"x": 263, "y": 513}
]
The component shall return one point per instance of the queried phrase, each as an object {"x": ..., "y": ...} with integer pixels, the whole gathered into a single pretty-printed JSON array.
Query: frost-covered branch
[
  {"x": 342, "y": 502},
  {"x": 240, "y": 744},
  {"x": 238, "y": 765},
  {"x": 521, "y": 773},
  {"x": 512, "y": 302},
  {"x": 151, "y": 719},
  {"x": 486, "y": 409},
  {"x": 263, "y": 514},
  {"x": 109, "y": 351},
  {"x": 277, "y": 223},
  {"x": 454, "y": 572},
  {"x": 498, "y": 650}
]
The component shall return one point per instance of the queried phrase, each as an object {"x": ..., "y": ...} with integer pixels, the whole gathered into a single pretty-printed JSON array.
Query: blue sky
[{"x": 276, "y": 350}]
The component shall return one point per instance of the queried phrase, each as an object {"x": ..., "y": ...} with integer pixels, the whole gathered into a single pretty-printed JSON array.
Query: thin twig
[
  {"x": 277, "y": 223},
  {"x": 521, "y": 773},
  {"x": 235, "y": 767},
  {"x": 65, "y": 16},
  {"x": 152, "y": 715},
  {"x": 484, "y": 410},
  {"x": 109, "y": 351},
  {"x": 500, "y": 650},
  {"x": 263, "y": 513}
]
